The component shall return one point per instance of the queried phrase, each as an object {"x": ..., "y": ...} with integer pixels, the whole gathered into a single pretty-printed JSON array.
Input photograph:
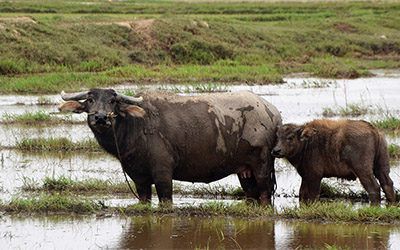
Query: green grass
[
  {"x": 237, "y": 209},
  {"x": 391, "y": 124},
  {"x": 394, "y": 151},
  {"x": 57, "y": 144},
  {"x": 38, "y": 118},
  {"x": 349, "y": 110},
  {"x": 319, "y": 211},
  {"x": 71, "y": 47},
  {"x": 95, "y": 186},
  {"x": 55, "y": 203},
  {"x": 342, "y": 212}
]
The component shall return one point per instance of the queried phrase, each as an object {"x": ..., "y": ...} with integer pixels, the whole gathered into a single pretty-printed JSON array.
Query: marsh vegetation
[{"x": 49, "y": 46}]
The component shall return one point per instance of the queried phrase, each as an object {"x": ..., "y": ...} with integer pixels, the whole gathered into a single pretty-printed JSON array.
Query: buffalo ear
[
  {"x": 72, "y": 106},
  {"x": 307, "y": 133},
  {"x": 132, "y": 110}
]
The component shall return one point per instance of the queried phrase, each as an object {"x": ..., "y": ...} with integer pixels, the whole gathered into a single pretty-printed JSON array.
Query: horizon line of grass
[
  {"x": 318, "y": 211},
  {"x": 57, "y": 144},
  {"x": 38, "y": 118}
]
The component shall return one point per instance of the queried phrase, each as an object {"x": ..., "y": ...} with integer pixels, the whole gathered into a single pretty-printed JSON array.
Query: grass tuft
[
  {"x": 38, "y": 118},
  {"x": 57, "y": 203},
  {"x": 391, "y": 124},
  {"x": 57, "y": 144}
]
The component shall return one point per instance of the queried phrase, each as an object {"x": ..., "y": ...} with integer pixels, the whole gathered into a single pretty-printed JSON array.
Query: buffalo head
[
  {"x": 101, "y": 105},
  {"x": 291, "y": 139}
]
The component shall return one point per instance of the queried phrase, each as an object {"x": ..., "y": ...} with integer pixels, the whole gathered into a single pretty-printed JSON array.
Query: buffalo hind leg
[
  {"x": 370, "y": 184},
  {"x": 249, "y": 186},
  {"x": 265, "y": 177},
  {"x": 387, "y": 186}
]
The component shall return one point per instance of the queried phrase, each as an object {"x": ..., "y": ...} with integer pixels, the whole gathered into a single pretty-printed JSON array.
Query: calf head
[
  {"x": 102, "y": 105},
  {"x": 291, "y": 139}
]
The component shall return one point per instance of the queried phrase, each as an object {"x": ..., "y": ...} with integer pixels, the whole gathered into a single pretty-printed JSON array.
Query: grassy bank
[
  {"x": 320, "y": 211},
  {"x": 49, "y": 46}
]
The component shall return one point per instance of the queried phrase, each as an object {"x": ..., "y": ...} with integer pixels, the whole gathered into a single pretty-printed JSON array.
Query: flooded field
[{"x": 299, "y": 100}]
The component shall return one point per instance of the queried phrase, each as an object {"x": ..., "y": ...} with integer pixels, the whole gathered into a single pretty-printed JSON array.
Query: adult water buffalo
[
  {"x": 162, "y": 137},
  {"x": 345, "y": 149}
]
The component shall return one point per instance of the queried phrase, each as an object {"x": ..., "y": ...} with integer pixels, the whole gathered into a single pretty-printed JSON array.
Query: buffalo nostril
[{"x": 275, "y": 151}]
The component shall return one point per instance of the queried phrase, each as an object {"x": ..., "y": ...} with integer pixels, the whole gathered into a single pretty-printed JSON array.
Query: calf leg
[
  {"x": 387, "y": 186},
  {"x": 372, "y": 187},
  {"x": 309, "y": 190}
]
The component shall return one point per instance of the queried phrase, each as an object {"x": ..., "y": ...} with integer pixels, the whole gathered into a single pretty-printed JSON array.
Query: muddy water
[
  {"x": 56, "y": 232},
  {"x": 297, "y": 104}
]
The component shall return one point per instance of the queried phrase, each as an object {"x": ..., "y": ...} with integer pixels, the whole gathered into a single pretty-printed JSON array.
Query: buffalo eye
[
  {"x": 90, "y": 100},
  {"x": 112, "y": 101}
]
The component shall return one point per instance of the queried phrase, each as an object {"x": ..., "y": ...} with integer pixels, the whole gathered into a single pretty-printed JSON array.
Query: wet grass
[
  {"x": 342, "y": 212},
  {"x": 394, "y": 151},
  {"x": 70, "y": 47},
  {"x": 349, "y": 110},
  {"x": 390, "y": 124},
  {"x": 95, "y": 186},
  {"x": 319, "y": 211},
  {"x": 54, "y": 203},
  {"x": 195, "y": 88},
  {"x": 57, "y": 144},
  {"x": 38, "y": 118}
]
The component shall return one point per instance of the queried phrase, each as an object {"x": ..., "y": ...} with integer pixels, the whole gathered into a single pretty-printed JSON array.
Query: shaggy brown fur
[{"x": 345, "y": 149}]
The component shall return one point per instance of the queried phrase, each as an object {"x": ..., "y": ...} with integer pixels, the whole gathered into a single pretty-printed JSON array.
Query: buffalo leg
[
  {"x": 310, "y": 189},
  {"x": 372, "y": 187},
  {"x": 387, "y": 186},
  {"x": 264, "y": 179},
  {"x": 164, "y": 190},
  {"x": 249, "y": 186},
  {"x": 144, "y": 191}
]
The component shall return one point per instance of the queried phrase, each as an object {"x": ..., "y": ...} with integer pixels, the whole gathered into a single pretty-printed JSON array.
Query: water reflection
[
  {"x": 189, "y": 233},
  {"x": 168, "y": 232},
  {"x": 354, "y": 236}
]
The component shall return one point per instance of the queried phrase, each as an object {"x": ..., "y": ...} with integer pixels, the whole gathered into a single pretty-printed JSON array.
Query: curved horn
[
  {"x": 130, "y": 99},
  {"x": 74, "y": 96}
]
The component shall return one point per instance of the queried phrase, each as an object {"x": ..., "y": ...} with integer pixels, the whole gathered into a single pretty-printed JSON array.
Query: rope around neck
[{"x": 112, "y": 116}]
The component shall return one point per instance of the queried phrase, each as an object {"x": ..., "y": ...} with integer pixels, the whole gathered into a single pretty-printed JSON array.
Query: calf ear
[
  {"x": 132, "y": 110},
  {"x": 307, "y": 133},
  {"x": 72, "y": 106}
]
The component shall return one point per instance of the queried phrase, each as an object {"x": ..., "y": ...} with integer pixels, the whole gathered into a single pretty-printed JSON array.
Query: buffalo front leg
[
  {"x": 144, "y": 191},
  {"x": 309, "y": 190}
]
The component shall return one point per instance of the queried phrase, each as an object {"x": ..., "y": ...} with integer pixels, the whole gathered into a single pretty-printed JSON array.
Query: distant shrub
[
  {"x": 199, "y": 52},
  {"x": 9, "y": 67}
]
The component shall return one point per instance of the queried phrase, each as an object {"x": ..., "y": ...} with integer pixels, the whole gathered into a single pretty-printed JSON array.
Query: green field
[{"x": 47, "y": 46}]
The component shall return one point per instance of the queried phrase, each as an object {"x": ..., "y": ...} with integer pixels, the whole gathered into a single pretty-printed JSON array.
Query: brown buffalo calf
[{"x": 345, "y": 149}]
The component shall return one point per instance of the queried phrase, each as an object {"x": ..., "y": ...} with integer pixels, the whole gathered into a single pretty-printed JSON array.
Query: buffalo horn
[
  {"x": 74, "y": 96},
  {"x": 130, "y": 99}
]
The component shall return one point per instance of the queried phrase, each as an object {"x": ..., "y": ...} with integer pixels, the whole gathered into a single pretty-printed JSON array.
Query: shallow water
[
  {"x": 57, "y": 232},
  {"x": 296, "y": 103}
]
